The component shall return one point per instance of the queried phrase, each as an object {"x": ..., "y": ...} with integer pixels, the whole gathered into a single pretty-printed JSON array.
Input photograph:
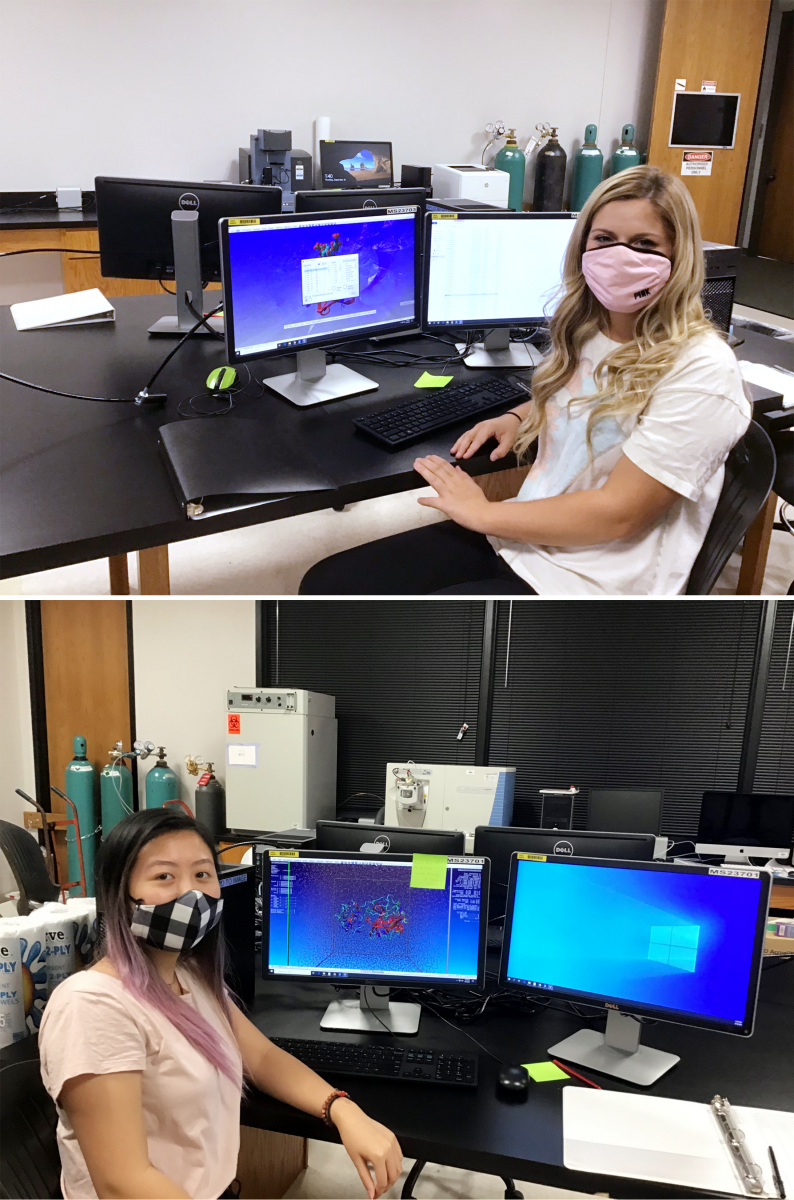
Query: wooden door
[{"x": 776, "y": 236}]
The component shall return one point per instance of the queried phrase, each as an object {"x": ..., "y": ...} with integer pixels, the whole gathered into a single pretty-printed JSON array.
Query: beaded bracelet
[{"x": 326, "y": 1109}]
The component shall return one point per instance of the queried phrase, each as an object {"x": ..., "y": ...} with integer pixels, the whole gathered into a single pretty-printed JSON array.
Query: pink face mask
[{"x": 623, "y": 279}]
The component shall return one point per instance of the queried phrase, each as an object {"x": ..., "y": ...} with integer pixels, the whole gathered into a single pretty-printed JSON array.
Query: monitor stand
[
  {"x": 496, "y": 351},
  {"x": 187, "y": 280},
  {"x": 359, "y": 1016},
  {"x": 616, "y": 1052},
  {"x": 317, "y": 381}
]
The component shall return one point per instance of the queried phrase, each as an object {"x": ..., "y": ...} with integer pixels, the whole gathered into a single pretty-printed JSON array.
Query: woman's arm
[
  {"x": 106, "y": 1113},
  {"x": 628, "y": 502},
  {"x": 286, "y": 1078}
]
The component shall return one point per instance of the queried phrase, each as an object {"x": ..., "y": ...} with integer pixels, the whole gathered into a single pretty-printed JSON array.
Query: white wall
[
  {"x": 16, "y": 731},
  {"x": 171, "y": 88},
  {"x": 187, "y": 653}
]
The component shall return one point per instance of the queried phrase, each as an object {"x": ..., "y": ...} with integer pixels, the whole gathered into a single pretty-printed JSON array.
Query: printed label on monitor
[
  {"x": 284, "y": 853},
  {"x": 243, "y": 220},
  {"x": 329, "y": 278},
  {"x": 740, "y": 872},
  {"x": 534, "y": 857}
]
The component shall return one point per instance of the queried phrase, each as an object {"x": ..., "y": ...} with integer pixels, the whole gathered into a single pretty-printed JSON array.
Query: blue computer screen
[
  {"x": 676, "y": 941},
  {"x": 298, "y": 281},
  {"x": 348, "y": 917}
]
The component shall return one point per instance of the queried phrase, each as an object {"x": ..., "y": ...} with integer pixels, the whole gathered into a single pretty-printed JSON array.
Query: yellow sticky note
[
  {"x": 429, "y": 871},
  {"x": 544, "y": 1072},
  {"x": 430, "y": 381}
]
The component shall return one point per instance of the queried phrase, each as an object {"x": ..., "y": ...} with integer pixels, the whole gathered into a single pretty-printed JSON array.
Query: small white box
[
  {"x": 70, "y": 197},
  {"x": 471, "y": 182}
]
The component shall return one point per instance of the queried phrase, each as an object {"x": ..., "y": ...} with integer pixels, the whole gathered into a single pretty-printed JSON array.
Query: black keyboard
[
  {"x": 411, "y": 420},
  {"x": 382, "y": 1062}
]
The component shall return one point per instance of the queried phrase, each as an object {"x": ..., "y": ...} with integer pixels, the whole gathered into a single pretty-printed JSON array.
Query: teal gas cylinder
[
  {"x": 115, "y": 791},
  {"x": 626, "y": 154},
  {"x": 80, "y": 787},
  {"x": 588, "y": 167},
  {"x": 161, "y": 782},
  {"x": 511, "y": 160}
]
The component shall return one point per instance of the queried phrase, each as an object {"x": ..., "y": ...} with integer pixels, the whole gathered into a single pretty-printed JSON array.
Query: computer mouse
[
  {"x": 221, "y": 379},
  {"x": 514, "y": 1081}
]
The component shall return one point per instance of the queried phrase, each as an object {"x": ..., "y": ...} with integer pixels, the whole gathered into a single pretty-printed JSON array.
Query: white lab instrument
[
  {"x": 470, "y": 181},
  {"x": 448, "y": 796}
]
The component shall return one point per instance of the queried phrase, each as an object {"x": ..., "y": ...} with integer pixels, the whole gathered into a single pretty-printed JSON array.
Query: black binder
[{"x": 231, "y": 462}]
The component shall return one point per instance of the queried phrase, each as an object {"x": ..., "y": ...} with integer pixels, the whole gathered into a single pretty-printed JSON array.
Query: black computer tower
[
  {"x": 238, "y": 889},
  {"x": 721, "y": 266}
]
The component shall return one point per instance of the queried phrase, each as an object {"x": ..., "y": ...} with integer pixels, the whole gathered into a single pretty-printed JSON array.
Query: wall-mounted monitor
[{"x": 704, "y": 120}]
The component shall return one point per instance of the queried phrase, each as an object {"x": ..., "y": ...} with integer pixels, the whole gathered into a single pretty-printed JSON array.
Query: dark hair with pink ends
[{"x": 114, "y": 865}]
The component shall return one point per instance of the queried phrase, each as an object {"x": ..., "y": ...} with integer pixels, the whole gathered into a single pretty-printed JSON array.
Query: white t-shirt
[
  {"x": 93, "y": 1025},
  {"x": 696, "y": 414}
]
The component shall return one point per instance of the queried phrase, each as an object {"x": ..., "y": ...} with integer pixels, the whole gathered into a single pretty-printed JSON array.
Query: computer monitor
[
  {"x": 370, "y": 919},
  {"x": 390, "y": 839},
  {"x": 661, "y": 940},
  {"x": 745, "y": 825},
  {"x": 625, "y": 810},
  {"x": 491, "y": 271},
  {"x": 499, "y": 842},
  {"x": 704, "y": 120},
  {"x": 136, "y": 230},
  {"x": 337, "y": 199},
  {"x": 300, "y": 282},
  {"x": 356, "y": 164}
]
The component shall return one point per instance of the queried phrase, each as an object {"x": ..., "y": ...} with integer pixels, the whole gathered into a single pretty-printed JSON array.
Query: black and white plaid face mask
[{"x": 179, "y": 924}]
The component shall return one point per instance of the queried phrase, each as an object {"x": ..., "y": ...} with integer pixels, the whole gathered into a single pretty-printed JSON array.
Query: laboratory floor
[{"x": 330, "y": 1175}]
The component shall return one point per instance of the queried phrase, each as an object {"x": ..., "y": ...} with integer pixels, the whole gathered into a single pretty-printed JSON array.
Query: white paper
[
  {"x": 697, "y": 162},
  {"x": 241, "y": 756},
  {"x": 680, "y": 85},
  {"x": 769, "y": 378},
  {"x": 73, "y": 308}
]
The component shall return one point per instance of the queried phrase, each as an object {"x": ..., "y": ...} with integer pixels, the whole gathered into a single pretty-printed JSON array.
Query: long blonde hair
[{"x": 626, "y": 377}]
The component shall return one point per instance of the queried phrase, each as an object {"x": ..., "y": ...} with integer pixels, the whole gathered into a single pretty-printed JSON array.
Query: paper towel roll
[
  {"x": 12, "y": 1006},
  {"x": 33, "y": 954},
  {"x": 83, "y": 910},
  {"x": 322, "y": 131},
  {"x": 60, "y": 936}
]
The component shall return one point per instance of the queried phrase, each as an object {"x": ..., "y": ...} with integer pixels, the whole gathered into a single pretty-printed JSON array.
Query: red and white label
[
  {"x": 708, "y": 85},
  {"x": 204, "y": 779},
  {"x": 697, "y": 162},
  {"x": 234, "y": 722}
]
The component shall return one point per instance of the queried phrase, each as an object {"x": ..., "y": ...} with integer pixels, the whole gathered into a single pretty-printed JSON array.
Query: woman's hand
[
  {"x": 369, "y": 1145},
  {"x": 504, "y": 429},
  {"x": 458, "y": 495}
]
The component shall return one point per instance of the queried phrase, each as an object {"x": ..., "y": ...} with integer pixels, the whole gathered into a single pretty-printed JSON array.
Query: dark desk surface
[
  {"x": 479, "y": 1131},
  {"x": 81, "y": 480},
  {"x": 47, "y": 218}
]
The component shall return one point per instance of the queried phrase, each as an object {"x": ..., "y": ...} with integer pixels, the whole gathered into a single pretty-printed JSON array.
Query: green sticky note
[
  {"x": 429, "y": 871},
  {"x": 544, "y": 1072},
  {"x": 426, "y": 380}
]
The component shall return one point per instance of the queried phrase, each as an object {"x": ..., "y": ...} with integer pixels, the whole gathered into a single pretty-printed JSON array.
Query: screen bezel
[
  {"x": 704, "y": 835},
  {"x": 332, "y": 337},
  {"x": 356, "y": 978},
  {"x": 407, "y": 198},
  {"x": 480, "y": 323},
  {"x": 610, "y": 1003},
  {"x": 704, "y": 145},
  {"x": 368, "y": 142},
  {"x": 372, "y": 832}
]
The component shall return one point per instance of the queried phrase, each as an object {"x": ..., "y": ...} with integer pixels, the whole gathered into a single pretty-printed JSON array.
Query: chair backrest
[
  {"x": 27, "y": 865},
  {"x": 30, "y": 1165},
  {"x": 749, "y": 474}
]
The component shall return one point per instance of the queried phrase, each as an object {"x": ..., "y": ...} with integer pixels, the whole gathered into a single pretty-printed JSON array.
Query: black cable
[
  {"x": 49, "y": 250},
  {"x": 178, "y": 346},
  {"x": 69, "y": 395},
  {"x": 12, "y": 208},
  {"x": 203, "y": 320},
  {"x": 167, "y": 291}
]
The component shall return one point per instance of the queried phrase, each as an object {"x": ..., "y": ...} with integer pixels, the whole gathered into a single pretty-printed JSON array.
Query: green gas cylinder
[
  {"x": 115, "y": 791},
  {"x": 511, "y": 160},
  {"x": 626, "y": 154},
  {"x": 161, "y": 782},
  {"x": 80, "y": 787},
  {"x": 588, "y": 166}
]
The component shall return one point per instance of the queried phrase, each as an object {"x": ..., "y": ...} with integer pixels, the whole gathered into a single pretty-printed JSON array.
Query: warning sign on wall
[{"x": 697, "y": 162}]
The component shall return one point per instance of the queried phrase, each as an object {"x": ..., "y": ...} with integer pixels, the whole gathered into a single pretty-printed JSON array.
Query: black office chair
[
  {"x": 749, "y": 475},
  {"x": 27, "y": 866},
  {"x": 419, "y": 1166},
  {"x": 783, "y": 441},
  {"x": 30, "y": 1165}
]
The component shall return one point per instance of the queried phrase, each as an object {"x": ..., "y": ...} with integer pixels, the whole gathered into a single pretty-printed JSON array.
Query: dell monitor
[
  {"x": 625, "y": 810},
  {"x": 387, "y": 839},
  {"x": 296, "y": 283},
  {"x": 338, "y": 199},
  {"x": 499, "y": 842},
  {"x": 139, "y": 237},
  {"x": 704, "y": 120},
  {"x": 356, "y": 164},
  {"x": 491, "y": 271},
  {"x": 660, "y": 940},
  {"x": 374, "y": 920},
  {"x": 744, "y": 825}
]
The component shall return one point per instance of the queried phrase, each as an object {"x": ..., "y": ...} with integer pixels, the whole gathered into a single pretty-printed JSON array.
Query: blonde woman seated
[{"x": 635, "y": 410}]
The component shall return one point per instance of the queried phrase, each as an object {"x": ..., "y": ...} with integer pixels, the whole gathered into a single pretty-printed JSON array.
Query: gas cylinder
[
  {"x": 115, "y": 790},
  {"x": 626, "y": 154},
  {"x": 211, "y": 803},
  {"x": 80, "y": 787},
  {"x": 511, "y": 160},
  {"x": 588, "y": 166},
  {"x": 549, "y": 174},
  {"x": 161, "y": 782}
]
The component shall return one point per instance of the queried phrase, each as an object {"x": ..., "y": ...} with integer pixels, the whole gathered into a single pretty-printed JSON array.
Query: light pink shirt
[{"x": 92, "y": 1025}]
